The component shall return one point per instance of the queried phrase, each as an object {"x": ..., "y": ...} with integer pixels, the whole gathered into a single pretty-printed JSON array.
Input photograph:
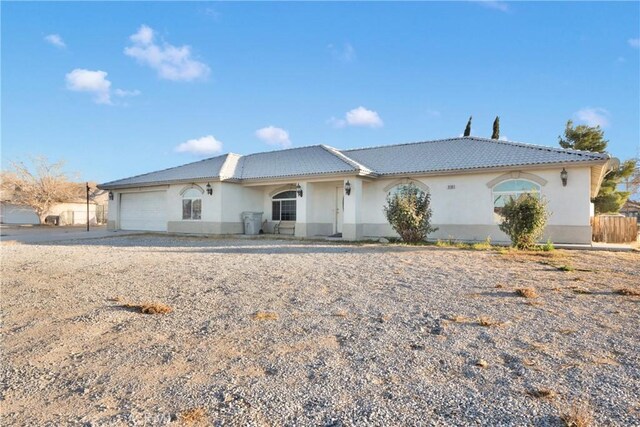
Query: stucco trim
[
  {"x": 282, "y": 188},
  {"x": 405, "y": 181},
  {"x": 189, "y": 187},
  {"x": 517, "y": 175}
]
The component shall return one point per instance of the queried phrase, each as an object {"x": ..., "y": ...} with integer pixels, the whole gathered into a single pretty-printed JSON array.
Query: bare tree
[{"x": 39, "y": 188}]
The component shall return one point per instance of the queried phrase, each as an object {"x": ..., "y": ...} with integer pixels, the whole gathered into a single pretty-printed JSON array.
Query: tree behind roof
[
  {"x": 467, "y": 130},
  {"x": 496, "y": 128},
  {"x": 591, "y": 138}
]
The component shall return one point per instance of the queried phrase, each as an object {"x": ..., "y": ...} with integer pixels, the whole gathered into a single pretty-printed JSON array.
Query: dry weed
[
  {"x": 459, "y": 319},
  {"x": 194, "y": 415},
  {"x": 150, "y": 307},
  {"x": 527, "y": 292},
  {"x": 340, "y": 313},
  {"x": 155, "y": 308},
  {"x": 628, "y": 292},
  {"x": 581, "y": 290},
  {"x": 266, "y": 315},
  {"x": 542, "y": 393},
  {"x": 578, "y": 415},
  {"x": 488, "y": 322},
  {"x": 482, "y": 363}
]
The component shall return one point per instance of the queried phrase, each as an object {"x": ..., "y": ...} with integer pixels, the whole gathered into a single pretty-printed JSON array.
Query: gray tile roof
[
  {"x": 461, "y": 154},
  {"x": 203, "y": 169},
  {"x": 431, "y": 156},
  {"x": 313, "y": 160}
]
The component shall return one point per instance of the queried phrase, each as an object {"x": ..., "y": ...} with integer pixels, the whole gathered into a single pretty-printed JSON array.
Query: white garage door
[{"x": 144, "y": 211}]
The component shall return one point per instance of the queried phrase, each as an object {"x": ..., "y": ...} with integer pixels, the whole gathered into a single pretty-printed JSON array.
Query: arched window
[
  {"x": 283, "y": 206},
  {"x": 511, "y": 189},
  {"x": 191, "y": 204}
]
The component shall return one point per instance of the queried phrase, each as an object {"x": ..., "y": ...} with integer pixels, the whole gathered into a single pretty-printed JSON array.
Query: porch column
[
  {"x": 352, "y": 224},
  {"x": 303, "y": 210}
]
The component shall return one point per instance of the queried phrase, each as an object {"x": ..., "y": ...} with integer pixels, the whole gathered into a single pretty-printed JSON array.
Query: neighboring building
[
  {"x": 324, "y": 191},
  {"x": 70, "y": 213},
  {"x": 631, "y": 209},
  {"x": 15, "y": 214}
]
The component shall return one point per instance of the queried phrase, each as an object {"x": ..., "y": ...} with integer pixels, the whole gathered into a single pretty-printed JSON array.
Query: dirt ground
[{"x": 267, "y": 332}]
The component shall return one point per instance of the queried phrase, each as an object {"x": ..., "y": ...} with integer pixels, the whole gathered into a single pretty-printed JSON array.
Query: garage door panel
[{"x": 144, "y": 211}]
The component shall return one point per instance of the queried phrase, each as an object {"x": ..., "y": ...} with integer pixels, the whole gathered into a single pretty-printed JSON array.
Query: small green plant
[
  {"x": 566, "y": 268},
  {"x": 524, "y": 220},
  {"x": 548, "y": 247},
  {"x": 483, "y": 246},
  {"x": 409, "y": 213}
]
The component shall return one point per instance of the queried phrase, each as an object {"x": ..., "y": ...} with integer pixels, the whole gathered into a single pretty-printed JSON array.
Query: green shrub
[
  {"x": 409, "y": 213},
  {"x": 548, "y": 247},
  {"x": 524, "y": 220}
]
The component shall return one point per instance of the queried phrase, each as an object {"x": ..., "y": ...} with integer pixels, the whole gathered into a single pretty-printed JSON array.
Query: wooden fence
[{"x": 614, "y": 229}]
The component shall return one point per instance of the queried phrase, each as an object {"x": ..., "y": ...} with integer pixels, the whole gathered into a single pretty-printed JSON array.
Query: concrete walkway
[{"x": 46, "y": 234}]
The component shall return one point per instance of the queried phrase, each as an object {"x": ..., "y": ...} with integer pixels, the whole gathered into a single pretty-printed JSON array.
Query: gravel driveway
[{"x": 267, "y": 332}]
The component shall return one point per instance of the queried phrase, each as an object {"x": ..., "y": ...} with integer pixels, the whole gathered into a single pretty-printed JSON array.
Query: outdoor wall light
[
  {"x": 110, "y": 195},
  {"x": 209, "y": 189},
  {"x": 299, "y": 190},
  {"x": 563, "y": 176},
  {"x": 347, "y": 188}
]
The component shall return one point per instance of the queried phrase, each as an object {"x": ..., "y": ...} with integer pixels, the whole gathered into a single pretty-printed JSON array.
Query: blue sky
[{"x": 118, "y": 89}]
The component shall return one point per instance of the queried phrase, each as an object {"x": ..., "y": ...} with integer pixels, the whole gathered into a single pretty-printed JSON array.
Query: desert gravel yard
[{"x": 273, "y": 332}]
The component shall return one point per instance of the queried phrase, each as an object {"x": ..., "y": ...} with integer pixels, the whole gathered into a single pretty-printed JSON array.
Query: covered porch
[{"x": 313, "y": 208}]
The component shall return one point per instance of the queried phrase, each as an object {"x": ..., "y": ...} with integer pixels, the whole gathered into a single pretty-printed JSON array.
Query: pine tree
[
  {"x": 496, "y": 128},
  {"x": 590, "y": 138},
  {"x": 467, "y": 130}
]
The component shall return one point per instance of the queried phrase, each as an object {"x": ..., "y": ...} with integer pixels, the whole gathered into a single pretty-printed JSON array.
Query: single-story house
[{"x": 322, "y": 191}]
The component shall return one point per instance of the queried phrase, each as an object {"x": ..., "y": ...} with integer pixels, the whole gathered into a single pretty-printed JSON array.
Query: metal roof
[
  {"x": 203, "y": 169},
  {"x": 461, "y": 154},
  {"x": 313, "y": 160},
  {"x": 465, "y": 153}
]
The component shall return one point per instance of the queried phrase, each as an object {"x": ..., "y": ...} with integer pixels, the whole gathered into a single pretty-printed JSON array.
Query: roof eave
[
  {"x": 116, "y": 186},
  {"x": 496, "y": 168}
]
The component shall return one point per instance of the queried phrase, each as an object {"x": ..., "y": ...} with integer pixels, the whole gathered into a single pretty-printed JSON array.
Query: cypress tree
[
  {"x": 496, "y": 128},
  {"x": 467, "y": 130}
]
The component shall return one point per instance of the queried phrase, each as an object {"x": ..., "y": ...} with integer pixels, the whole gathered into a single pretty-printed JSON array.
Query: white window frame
[
  {"x": 191, "y": 194},
  {"x": 289, "y": 199}
]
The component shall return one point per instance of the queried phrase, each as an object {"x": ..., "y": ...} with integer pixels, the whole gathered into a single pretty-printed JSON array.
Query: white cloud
[
  {"x": 170, "y": 62},
  {"x": 202, "y": 146},
  {"x": 124, "y": 93},
  {"x": 502, "y": 6},
  {"x": 634, "y": 43},
  {"x": 55, "y": 40},
  {"x": 94, "y": 82},
  {"x": 358, "y": 117},
  {"x": 274, "y": 136},
  {"x": 345, "y": 54},
  {"x": 593, "y": 116}
]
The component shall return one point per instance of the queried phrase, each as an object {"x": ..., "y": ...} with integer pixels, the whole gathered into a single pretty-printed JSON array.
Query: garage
[{"x": 144, "y": 211}]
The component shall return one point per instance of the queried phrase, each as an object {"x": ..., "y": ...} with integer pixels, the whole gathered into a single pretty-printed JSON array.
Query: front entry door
[{"x": 339, "y": 209}]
